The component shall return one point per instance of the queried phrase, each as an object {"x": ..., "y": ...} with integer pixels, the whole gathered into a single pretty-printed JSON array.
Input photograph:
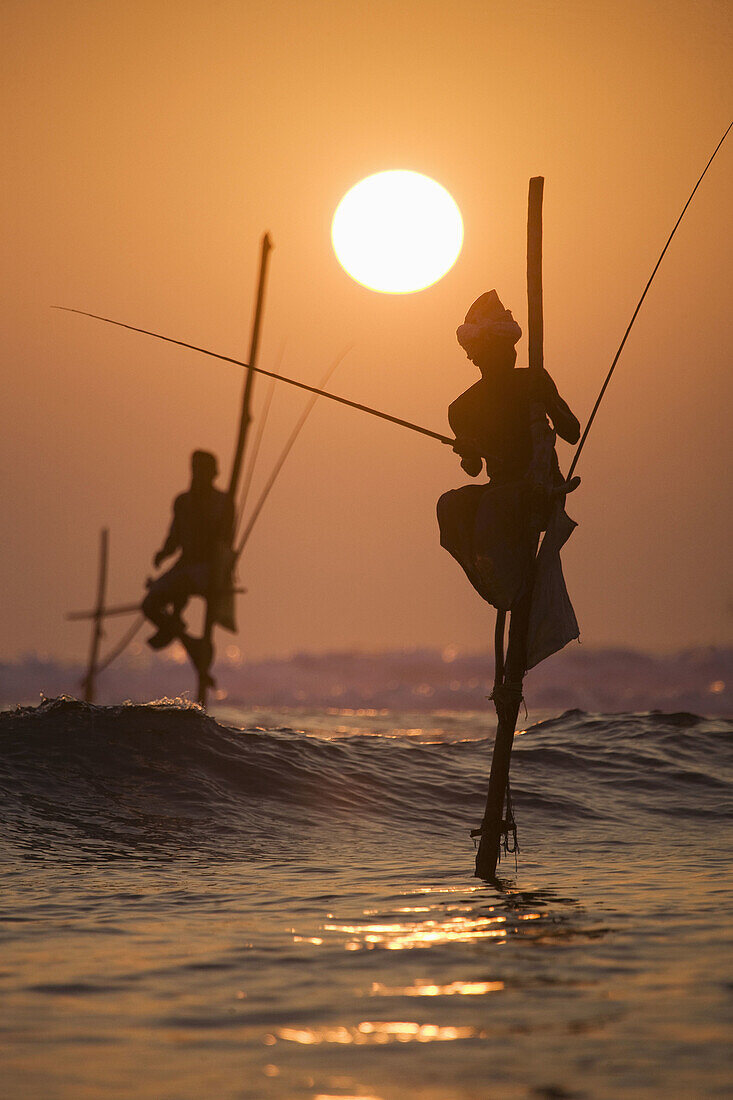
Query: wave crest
[{"x": 137, "y": 777}]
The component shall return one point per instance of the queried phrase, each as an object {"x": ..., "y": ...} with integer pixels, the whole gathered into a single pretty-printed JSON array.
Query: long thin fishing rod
[
  {"x": 257, "y": 443},
  {"x": 592, "y": 416},
  {"x": 283, "y": 455},
  {"x": 268, "y": 374}
]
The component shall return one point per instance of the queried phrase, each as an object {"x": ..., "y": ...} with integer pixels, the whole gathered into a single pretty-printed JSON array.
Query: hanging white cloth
[{"x": 552, "y": 621}]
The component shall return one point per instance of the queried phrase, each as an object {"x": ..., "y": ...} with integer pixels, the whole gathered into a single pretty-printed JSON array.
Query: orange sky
[{"x": 146, "y": 146}]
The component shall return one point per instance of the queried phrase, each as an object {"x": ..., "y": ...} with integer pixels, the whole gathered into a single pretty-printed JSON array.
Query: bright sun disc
[{"x": 397, "y": 232}]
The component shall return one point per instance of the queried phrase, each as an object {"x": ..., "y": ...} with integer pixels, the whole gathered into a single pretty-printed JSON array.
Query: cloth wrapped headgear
[{"x": 487, "y": 317}]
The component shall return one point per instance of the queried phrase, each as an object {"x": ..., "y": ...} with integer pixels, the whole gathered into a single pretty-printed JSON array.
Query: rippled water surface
[{"x": 194, "y": 909}]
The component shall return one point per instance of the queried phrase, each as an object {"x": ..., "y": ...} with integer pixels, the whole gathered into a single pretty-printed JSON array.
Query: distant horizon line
[{"x": 447, "y": 654}]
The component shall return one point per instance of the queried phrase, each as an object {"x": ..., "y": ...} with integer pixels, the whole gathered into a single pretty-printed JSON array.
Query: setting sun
[{"x": 397, "y": 232}]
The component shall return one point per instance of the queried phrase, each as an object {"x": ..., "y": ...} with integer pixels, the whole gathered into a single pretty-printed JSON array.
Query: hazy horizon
[{"x": 697, "y": 681}]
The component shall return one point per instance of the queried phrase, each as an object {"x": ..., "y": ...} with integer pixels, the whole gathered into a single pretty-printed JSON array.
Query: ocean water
[{"x": 282, "y": 904}]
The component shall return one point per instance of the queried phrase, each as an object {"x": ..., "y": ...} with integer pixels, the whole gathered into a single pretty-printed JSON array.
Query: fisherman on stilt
[
  {"x": 203, "y": 519},
  {"x": 493, "y": 529}
]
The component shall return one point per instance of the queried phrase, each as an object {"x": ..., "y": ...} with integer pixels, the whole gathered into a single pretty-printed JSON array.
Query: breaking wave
[{"x": 135, "y": 779}]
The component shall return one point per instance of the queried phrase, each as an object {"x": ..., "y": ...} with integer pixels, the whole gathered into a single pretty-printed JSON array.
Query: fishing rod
[
  {"x": 395, "y": 419},
  {"x": 249, "y": 473},
  {"x": 269, "y": 374},
  {"x": 604, "y": 387},
  {"x": 239, "y": 546}
]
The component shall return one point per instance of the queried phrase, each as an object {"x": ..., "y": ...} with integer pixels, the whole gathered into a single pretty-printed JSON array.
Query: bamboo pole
[
  {"x": 107, "y": 612},
  {"x": 246, "y": 414},
  {"x": 89, "y": 681},
  {"x": 117, "y": 609},
  {"x": 507, "y": 694},
  {"x": 245, "y": 419},
  {"x": 535, "y": 314}
]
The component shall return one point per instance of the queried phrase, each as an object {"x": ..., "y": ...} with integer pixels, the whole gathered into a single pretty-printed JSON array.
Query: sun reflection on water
[
  {"x": 341, "y": 1096},
  {"x": 427, "y": 989},
  {"x": 462, "y": 889},
  {"x": 439, "y": 917},
  {"x": 401, "y": 936},
  {"x": 380, "y": 1032}
]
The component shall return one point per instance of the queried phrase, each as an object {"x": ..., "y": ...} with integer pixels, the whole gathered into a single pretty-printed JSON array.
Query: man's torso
[
  {"x": 494, "y": 415},
  {"x": 203, "y": 520}
]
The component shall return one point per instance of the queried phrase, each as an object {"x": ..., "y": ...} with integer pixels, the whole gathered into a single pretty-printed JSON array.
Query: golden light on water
[
  {"x": 404, "y": 936},
  {"x": 377, "y": 1032},
  {"x": 341, "y": 1096},
  {"x": 397, "y": 232},
  {"x": 427, "y": 989}
]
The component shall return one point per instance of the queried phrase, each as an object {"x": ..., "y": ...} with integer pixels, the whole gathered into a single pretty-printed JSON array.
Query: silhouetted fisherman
[
  {"x": 203, "y": 519},
  {"x": 492, "y": 530}
]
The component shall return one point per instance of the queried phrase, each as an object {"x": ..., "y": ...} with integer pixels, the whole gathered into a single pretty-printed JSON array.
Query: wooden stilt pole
[
  {"x": 244, "y": 423},
  {"x": 499, "y": 631},
  {"x": 492, "y": 826},
  {"x": 246, "y": 415},
  {"x": 535, "y": 314},
  {"x": 509, "y": 674},
  {"x": 89, "y": 681},
  {"x": 108, "y": 613},
  {"x": 117, "y": 609}
]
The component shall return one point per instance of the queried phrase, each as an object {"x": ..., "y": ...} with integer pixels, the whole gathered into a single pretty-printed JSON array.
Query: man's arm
[
  {"x": 564, "y": 421},
  {"x": 173, "y": 540},
  {"x": 464, "y": 445},
  {"x": 470, "y": 455}
]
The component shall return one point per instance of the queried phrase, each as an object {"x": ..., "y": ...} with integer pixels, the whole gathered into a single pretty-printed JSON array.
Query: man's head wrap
[{"x": 487, "y": 317}]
